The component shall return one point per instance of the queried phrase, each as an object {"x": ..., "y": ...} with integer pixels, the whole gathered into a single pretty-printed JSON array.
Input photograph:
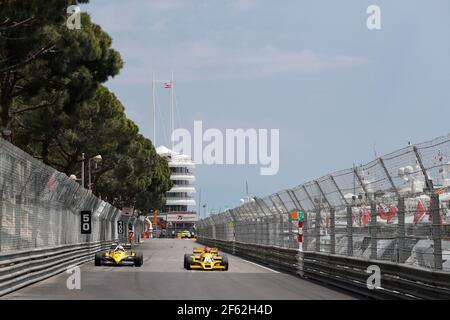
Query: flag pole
[
  {"x": 154, "y": 109},
  {"x": 171, "y": 109}
]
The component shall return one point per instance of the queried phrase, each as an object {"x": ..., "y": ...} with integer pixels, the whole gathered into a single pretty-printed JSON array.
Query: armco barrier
[
  {"x": 22, "y": 268},
  {"x": 350, "y": 273},
  {"x": 397, "y": 281},
  {"x": 276, "y": 257}
]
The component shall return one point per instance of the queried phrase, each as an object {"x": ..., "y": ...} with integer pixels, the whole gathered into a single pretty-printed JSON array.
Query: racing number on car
[
  {"x": 86, "y": 222},
  {"x": 120, "y": 227}
]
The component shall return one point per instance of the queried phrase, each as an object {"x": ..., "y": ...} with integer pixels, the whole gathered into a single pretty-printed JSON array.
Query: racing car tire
[
  {"x": 138, "y": 259},
  {"x": 188, "y": 263},
  {"x": 186, "y": 257},
  {"x": 225, "y": 262},
  {"x": 98, "y": 259}
]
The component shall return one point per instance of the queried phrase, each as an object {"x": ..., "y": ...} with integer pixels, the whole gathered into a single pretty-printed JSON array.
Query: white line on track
[{"x": 258, "y": 265}]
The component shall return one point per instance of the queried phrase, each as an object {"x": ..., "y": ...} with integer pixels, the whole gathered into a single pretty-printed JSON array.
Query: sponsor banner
[{"x": 181, "y": 217}]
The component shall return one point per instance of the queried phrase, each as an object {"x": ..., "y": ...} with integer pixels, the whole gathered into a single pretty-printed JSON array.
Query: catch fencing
[
  {"x": 40, "y": 206},
  {"x": 395, "y": 209},
  {"x": 40, "y": 221}
]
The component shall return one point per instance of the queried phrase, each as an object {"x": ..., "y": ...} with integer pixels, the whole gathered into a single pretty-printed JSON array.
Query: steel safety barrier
[
  {"x": 40, "y": 221},
  {"x": 276, "y": 257},
  {"x": 394, "y": 209},
  {"x": 22, "y": 268},
  {"x": 396, "y": 282},
  {"x": 350, "y": 273}
]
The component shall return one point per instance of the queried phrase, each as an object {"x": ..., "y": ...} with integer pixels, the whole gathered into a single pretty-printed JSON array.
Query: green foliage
[{"x": 58, "y": 109}]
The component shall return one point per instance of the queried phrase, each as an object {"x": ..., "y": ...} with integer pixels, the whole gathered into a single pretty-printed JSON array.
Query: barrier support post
[
  {"x": 332, "y": 231},
  {"x": 349, "y": 231},
  {"x": 373, "y": 231},
  {"x": 317, "y": 229},
  {"x": 401, "y": 256},
  {"x": 436, "y": 231}
]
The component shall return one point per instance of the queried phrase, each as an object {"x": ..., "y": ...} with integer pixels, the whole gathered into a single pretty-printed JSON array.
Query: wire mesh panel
[
  {"x": 40, "y": 206},
  {"x": 395, "y": 208}
]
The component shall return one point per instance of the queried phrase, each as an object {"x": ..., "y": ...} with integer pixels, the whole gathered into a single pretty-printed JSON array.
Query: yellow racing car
[
  {"x": 205, "y": 259},
  {"x": 184, "y": 234},
  {"x": 119, "y": 255}
]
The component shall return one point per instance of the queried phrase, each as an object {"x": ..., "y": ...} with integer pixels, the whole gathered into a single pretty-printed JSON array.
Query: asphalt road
[{"x": 163, "y": 277}]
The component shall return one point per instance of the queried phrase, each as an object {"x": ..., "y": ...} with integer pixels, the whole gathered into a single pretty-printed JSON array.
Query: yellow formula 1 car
[
  {"x": 205, "y": 259},
  {"x": 184, "y": 234},
  {"x": 119, "y": 255}
]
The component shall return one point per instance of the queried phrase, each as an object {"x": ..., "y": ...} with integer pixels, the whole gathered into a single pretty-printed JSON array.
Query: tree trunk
[
  {"x": 6, "y": 105},
  {"x": 45, "y": 150}
]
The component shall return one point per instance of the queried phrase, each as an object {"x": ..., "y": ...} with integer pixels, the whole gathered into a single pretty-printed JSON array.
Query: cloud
[
  {"x": 243, "y": 5},
  {"x": 203, "y": 60},
  {"x": 113, "y": 16}
]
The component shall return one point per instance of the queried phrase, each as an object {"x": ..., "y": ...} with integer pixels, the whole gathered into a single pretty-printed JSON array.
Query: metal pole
[
  {"x": 280, "y": 238},
  {"x": 171, "y": 108},
  {"x": 436, "y": 231},
  {"x": 295, "y": 200},
  {"x": 89, "y": 173},
  {"x": 401, "y": 256},
  {"x": 317, "y": 228},
  {"x": 154, "y": 109},
  {"x": 349, "y": 231},
  {"x": 338, "y": 189},
  {"x": 361, "y": 183},
  {"x": 388, "y": 176},
  {"x": 332, "y": 235},
  {"x": 332, "y": 231},
  {"x": 82, "y": 170},
  {"x": 305, "y": 231},
  {"x": 373, "y": 231},
  {"x": 428, "y": 181}
]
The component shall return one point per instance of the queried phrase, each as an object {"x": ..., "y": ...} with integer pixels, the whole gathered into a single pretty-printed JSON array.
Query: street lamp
[
  {"x": 204, "y": 211},
  {"x": 97, "y": 159}
]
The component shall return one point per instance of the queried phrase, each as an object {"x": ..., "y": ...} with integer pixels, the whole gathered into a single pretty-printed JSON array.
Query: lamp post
[
  {"x": 96, "y": 159},
  {"x": 204, "y": 211},
  {"x": 82, "y": 169}
]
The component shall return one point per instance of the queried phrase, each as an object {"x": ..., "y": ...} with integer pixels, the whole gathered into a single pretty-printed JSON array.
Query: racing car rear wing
[{"x": 201, "y": 250}]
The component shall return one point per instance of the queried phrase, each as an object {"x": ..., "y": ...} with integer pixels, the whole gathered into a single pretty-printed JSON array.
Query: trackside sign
[
  {"x": 181, "y": 217},
  {"x": 86, "y": 222}
]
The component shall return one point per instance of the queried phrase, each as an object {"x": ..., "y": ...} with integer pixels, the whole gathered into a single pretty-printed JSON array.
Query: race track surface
[{"x": 163, "y": 277}]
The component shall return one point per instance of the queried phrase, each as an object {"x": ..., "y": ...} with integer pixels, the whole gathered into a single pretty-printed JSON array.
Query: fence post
[
  {"x": 436, "y": 231},
  {"x": 401, "y": 256},
  {"x": 305, "y": 231},
  {"x": 317, "y": 229},
  {"x": 349, "y": 231},
  {"x": 332, "y": 231},
  {"x": 373, "y": 231}
]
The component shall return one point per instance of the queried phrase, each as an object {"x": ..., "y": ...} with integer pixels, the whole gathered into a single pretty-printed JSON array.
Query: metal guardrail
[
  {"x": 22, "y": 268},
  {"x": 276, "y": 257},
  {"x": 397, "y": 281},
  {"x": 394, "y": 208},
  {"x": 350, "y": 273}
]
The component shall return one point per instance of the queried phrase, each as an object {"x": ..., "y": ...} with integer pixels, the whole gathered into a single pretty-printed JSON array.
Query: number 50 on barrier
[{"x": 86, "y": 218}]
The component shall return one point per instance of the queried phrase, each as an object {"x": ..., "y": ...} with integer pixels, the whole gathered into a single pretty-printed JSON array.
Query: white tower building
[{"x": 179, "y": 199}]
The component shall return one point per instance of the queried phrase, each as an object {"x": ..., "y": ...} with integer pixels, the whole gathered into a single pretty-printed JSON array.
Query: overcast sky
[{"x": 336, "y": 90}]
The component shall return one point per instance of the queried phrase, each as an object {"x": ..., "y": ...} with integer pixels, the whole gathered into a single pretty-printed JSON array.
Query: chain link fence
[
  {"x": 394, "y": 208},
  {"x": 40, "y": 207}
]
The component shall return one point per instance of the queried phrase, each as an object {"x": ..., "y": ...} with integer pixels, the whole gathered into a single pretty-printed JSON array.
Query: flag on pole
[{"x": 168, "y": 85}]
